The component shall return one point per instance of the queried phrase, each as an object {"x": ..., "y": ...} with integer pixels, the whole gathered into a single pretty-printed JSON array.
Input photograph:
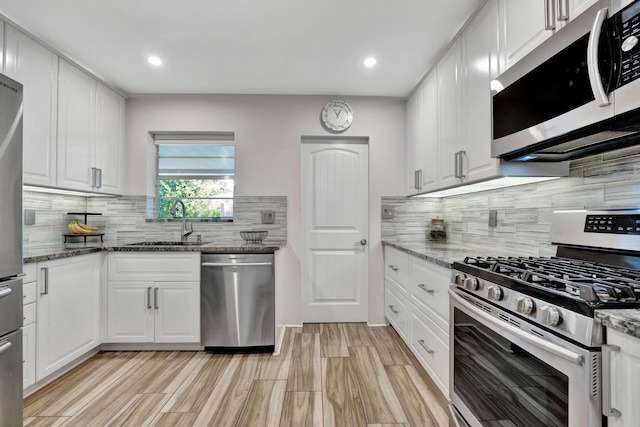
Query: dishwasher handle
[{"x": 236, "y": 264}]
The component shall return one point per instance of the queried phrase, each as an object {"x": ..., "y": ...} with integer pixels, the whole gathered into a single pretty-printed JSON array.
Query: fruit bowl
[{"x": 254, "y": 236}]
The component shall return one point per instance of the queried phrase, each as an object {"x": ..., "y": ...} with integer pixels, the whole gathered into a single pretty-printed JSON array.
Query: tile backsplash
[
  {"x": 610, "y": 180},
  {"x": 124, "y": 219}
]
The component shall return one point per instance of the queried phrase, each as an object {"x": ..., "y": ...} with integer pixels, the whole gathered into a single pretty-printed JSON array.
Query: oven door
[{"x": 503, "y": 373}]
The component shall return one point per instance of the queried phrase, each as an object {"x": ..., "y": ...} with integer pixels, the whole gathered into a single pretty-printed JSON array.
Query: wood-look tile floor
[{"x": 333, "y": 374}]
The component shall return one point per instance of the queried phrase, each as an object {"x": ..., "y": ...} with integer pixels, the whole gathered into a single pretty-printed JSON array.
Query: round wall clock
[{"x": 337, "y": 116}]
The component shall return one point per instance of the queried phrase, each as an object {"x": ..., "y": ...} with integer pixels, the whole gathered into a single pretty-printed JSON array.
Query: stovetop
[{"x": 592, "y": 282}]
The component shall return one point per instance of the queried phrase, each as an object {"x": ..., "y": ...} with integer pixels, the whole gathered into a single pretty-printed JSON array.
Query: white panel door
[{"x": 335, "y": 230}]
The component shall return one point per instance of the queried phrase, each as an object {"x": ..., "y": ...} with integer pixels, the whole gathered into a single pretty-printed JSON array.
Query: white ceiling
[{"x": 248, "y": 46}]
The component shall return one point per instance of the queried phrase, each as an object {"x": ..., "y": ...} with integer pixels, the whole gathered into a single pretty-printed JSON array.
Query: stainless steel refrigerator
[{"x": 10, "y": 252}]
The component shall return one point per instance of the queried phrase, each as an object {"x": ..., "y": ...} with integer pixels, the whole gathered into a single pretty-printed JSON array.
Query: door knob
[{"x": 362, "y": 242}]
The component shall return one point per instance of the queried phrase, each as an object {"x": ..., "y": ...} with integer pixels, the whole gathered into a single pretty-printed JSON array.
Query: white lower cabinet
[
  {"x": 430, "y": 344},
  {"x": 417, "y": 306},
  {"x": 28, "y": 355},
  {"x": 68, "y": 311},
  {"x": 29, "y": 317},
  {"x": 153, "y": 298},
  {"x": 396, "y": 310},
  {"x": 625, "y": 377},
  {"x": 161, "y": 312}
]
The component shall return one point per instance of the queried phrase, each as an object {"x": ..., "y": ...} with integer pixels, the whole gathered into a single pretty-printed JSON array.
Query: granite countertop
[
  {"x": 75, "y": 249},
  {"x": 626, "y": 321},
  {"x": 441, "y": 253}
]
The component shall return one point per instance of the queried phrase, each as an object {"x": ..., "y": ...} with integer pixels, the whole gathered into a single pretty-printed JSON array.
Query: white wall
[{"x": 268, "y": 131}]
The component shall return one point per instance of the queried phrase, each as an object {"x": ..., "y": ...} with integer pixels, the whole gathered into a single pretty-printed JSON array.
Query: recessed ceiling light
[
  {"x": 154, "y": 60},
  {"x": 370, "y": 62}
]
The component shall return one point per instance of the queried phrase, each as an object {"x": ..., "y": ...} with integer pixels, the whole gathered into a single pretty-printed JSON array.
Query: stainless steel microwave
[{"x": 576, "y": 94}]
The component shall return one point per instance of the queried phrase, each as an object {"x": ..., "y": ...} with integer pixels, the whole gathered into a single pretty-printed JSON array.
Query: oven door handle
[{"x": 563, "y": 353}]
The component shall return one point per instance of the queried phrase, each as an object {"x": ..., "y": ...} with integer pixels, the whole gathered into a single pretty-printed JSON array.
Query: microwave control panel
[
  {"x": 612, "y": 224},
  {"x": 629, "y": 31}
]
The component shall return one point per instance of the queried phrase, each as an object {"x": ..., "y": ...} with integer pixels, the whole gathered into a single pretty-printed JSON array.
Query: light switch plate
[
  {"x": 388, "y": 212},
  {"x": 268, "y": 217},
  {"x": 493, "y": 218},
  {"x": 29, "y": 216}
]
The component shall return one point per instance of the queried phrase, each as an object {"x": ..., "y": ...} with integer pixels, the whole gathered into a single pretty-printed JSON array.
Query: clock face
[{"x": 337, "y": 116}]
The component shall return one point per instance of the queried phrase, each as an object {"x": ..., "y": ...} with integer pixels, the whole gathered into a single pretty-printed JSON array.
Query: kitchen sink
[{"x": 166, "y": 244}]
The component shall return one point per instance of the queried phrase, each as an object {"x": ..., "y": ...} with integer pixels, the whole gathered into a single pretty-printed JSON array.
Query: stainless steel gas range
[{"x": 525, "y": 349}]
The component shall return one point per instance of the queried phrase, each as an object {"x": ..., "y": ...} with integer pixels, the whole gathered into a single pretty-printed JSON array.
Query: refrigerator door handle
[
  {"x": 5, "y": 292},
  {"x": 6, "y": 345}
]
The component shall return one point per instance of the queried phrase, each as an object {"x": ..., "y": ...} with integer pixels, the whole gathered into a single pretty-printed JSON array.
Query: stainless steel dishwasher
[{"x": 237, "y": 302}]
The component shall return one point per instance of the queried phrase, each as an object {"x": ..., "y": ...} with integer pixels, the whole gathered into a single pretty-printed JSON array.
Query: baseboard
[
  {"x": 60, "y": 372},
  {"x": 150, "y": 347}
]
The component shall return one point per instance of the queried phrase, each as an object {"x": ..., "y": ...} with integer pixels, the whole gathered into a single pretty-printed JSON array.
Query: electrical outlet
[
  {"x": 29, "y": 216},
  {"x": 268, "y": 217},
  {"x": 493, "y": 218},
  {"x": 388, "y": 212}
]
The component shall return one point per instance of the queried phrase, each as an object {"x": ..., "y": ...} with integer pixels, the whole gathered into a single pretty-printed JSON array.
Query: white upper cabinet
[
  {"x": 76, "y": 128},
  {"x": 449, "y": 116},
  {"x": 109, "y": 139},
  {"x": 479, "y": 66},
  {"x": 527, "y": 23},
  {"x": 422, "y": 136},
  {"x": 413, "y": 143},
  {"x": 36, "y": 68},
  {"x": 90, "y": 133}
]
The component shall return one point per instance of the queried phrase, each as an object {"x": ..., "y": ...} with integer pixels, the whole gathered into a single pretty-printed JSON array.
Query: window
[{"x": 199, "y": 171}]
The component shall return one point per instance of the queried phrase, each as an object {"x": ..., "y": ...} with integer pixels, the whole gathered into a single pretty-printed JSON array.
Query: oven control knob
[
  {"x": 495, "y": 293},
  {"x": 471, "y": 283},
  {"x": 549, "y": 316},
  {"x": 459, "y": 279},
  {"x": 524, "y": 305}
]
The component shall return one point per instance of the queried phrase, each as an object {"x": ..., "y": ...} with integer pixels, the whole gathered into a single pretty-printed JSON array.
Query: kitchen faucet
[{"x": 185, "y": 232}]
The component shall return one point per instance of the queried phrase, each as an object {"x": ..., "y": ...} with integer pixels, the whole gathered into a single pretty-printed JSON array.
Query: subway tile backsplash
[
  {"x": 124, "y": 219},
  {"x": 524, "y": 212}
]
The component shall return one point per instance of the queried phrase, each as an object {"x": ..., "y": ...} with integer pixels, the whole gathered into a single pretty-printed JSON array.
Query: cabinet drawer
[
  {"x": 429, "y": 285},
  {"x": 396, "y": 311},
  {"x": 396, "y": 266},
  {"x": 430, "y": 344},
  {"x": 30, "y": 273},
  {"x": 147, "y": 266},
  {"x": 29, "y": 314},
  {"x": 29, "y": 293}
]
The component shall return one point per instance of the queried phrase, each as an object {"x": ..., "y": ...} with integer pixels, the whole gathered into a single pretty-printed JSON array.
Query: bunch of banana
[{"x": 77, "y": 227}]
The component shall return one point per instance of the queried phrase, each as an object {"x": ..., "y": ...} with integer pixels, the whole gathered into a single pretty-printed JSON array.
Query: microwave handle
[{"x": 592, "y": 59}]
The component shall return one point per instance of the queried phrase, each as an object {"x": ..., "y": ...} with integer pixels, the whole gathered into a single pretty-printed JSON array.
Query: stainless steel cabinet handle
[
  {"x": 427, "y": 349},
  {"x": 5, "y": 346},
  {"x": 362, "y": 242},
  {"x": 607, "y": 410},
  {"x": 155, "y": 298},
  {"x": 5, "y": 292},
  {"x": 94, "y": 178},
  {"x": 45, "y": 272},
  {"x": 424, "y": 288},
  {"x": 393, "y": 267},
  {"x": 417, "y": 179},
  {"x": 563, "y": 10},
  {"x": 592, "y": 60},
  {"x": 99, "y": 180},
  {"x": 549, "y": 16},
  {"x": 461, "y": 156},
  {"x": 149, "y": 297},
  {"x": 392, "y": 308}
]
